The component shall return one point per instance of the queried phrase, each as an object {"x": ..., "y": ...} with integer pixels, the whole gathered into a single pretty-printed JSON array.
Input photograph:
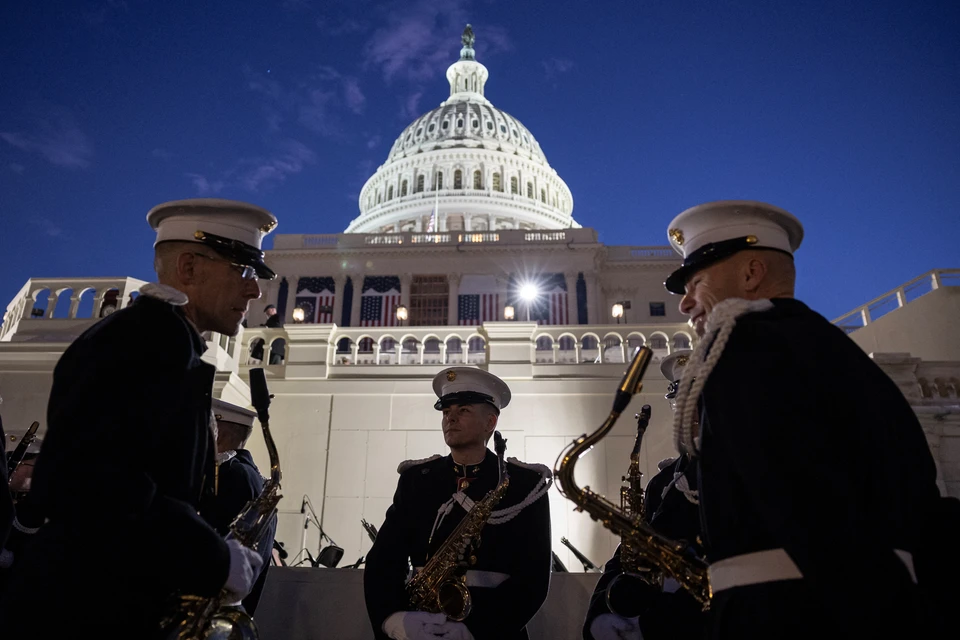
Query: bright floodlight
[
  {"x": 508, "y": 312},
  {"x": 401, "y": 313},
  {"x": 298, "y": 315},
  {"x": 528, "y": 292},
  {"x": 617, "y": 310}
]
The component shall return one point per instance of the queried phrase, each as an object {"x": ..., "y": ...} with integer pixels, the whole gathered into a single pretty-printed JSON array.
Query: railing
[
  {"x": 416, "y": 346},
  {"x": 899, "y": 297},
  {"x": 627, "y": 254},
  {"x": 453, "y": 237},
  {"x": 66, "y": 304}
]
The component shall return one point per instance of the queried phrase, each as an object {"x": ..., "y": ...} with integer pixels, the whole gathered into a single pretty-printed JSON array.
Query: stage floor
[{"x": 303, "y": 603}]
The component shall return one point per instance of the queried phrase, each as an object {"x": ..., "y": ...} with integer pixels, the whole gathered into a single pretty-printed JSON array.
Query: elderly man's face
[
  {"x": 707, "y": 288},
  {"x": 467, "y": 424},
  {"x": 221, "y": 295}
]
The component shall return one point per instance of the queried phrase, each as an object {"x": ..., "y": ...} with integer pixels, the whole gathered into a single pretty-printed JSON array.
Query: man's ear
[
  {"x": 492, "y": 419},
  {"x": 752, "y": 274},
  {"x": 187, "y": 268}
]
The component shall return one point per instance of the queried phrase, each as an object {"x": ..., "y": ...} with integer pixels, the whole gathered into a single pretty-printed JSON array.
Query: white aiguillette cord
[{"x": 719, "y": 326}]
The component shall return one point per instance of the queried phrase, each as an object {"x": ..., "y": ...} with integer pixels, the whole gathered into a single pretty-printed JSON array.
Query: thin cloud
[
  {"x": 373, "y": 142},
  {"x": 16, "y": 167},
  {"x": 315, "y": 102},
  {"x": 205, "y": 186},
  {"x": 162, "y": 154},
  {"x": 260, "y": 173},
  {"x": 55, "y": 137},
  {"x": 556, "y": 66},
  {"x": 353, "y": 95},
  {"x": 421, "y": 39},
  {"x": 411, "y": 106},
  {"x": 48, "y": 226},
  {"x": 341, "y": 26}
]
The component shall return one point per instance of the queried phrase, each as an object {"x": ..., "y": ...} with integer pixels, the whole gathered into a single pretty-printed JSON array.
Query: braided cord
[{"x": 719, "y": 326}]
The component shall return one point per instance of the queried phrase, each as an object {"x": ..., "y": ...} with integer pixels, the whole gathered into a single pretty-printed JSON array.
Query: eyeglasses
[{"x": 246, "y": 271}]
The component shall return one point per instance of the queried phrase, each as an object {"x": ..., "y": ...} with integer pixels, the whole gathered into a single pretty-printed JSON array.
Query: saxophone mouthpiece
[
  {"x": 499, "y": 444},
  {"x": 632, "y": 379}
]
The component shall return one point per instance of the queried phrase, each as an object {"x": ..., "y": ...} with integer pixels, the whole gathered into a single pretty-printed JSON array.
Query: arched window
[
  {"x": 439, "y": 181},
  {"x": 543, "y": 196},
  {"x": 390, "y": 192},
  {"x": 477, "y": 181},
  {"x": 419, "y": 183},
  {"x": 403, "y": 188},
  {"x": 458, "y": 179},
  {"x": 497, "y": 185},
  {"x": 379, "y": 197},
  {"x": 513, "y": 185},
  {"x": 530, "y": 190}
]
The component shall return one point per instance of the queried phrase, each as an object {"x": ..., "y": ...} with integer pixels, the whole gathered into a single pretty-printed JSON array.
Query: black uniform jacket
[
  {"x": 6, "y": 502},
  {"x": 807, "y": 445},
  {"x": 674, "y": 514},
  {"x": 519, "y": 547},
  {"x": 239, "y": 482},
  {"x": 127, "y": 451}
]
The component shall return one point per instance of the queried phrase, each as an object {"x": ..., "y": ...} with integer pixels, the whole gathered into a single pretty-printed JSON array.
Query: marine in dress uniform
[
  {"x": 129, "y": 447},
  {"x": 509, "y": 579},
  {"x": 815, "y": 475},
  {"x": 238, "y": 481},
  {"x": 671, "y": 507}
]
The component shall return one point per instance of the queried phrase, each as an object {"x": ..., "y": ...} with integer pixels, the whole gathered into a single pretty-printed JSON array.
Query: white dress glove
[
  {"x": 609, "y": 626},
  {"x": 451, "y": 630},
  {"x": 244, "y": 568},
  {"x": 416, "y": 625}
]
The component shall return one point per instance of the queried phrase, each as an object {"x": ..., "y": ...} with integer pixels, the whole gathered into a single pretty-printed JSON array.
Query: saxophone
[
  {"x": 662, "y": 556},
  {"x": 199, "y": 618},
  {"x": 439, "y": 587},
  {"x": 16, "y": 457}
]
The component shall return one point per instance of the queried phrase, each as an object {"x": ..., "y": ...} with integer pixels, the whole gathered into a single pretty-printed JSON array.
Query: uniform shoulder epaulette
[
  {"x": 543, "y": 470},
  {"x": 408, "y": 464},
  {"x": 164, "y": 293},
  {"x": 666, "y": 462}
]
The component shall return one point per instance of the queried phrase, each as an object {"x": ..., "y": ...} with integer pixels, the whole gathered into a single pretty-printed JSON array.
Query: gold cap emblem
[
  {"x": 451, "y": 376},
  {"x": 676, "y": 235},
  {"x": 751, "y": 239},
  {"x": 682, "y": 360}
]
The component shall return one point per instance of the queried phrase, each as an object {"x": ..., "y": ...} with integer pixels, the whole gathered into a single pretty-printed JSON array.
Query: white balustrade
[{"x": 899, "y": 297}]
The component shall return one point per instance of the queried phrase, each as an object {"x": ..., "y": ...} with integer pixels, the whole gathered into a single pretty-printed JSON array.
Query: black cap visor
[
  {"x": 464, "y": 397},
  {"x": 705, "y": 256},
  {"x": 239, "y": 252}
]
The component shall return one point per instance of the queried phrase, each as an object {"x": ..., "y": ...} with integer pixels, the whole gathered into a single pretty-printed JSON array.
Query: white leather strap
[{"x": 771, "y": 565}]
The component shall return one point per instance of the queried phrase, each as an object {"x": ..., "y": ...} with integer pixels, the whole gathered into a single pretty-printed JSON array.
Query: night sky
[{"x": 846, "y": 114}]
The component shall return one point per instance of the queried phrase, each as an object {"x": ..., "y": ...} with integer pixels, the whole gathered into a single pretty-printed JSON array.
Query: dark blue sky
[{"x": 847, "y": 114}]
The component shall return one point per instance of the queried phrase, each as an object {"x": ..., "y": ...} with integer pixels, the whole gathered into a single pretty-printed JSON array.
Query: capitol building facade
[{"x": 465, "y": 252}]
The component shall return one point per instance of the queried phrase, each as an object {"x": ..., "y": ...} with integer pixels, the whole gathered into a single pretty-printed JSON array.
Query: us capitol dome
[{"x": 464, "y": 166}]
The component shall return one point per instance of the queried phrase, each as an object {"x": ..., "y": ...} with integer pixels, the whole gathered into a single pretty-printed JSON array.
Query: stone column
[
  {"x": 467, "y": 222},
  {"x": 571, "y": 280},
  {"x": 357, "y": 279},
  {"x": 406, "y": 281},
  {"x": 292, "y": 283},
  {"x": 453, "y": 281},
  {"x": 593, "y": 299},
  {"x": 339, "y": 285}
]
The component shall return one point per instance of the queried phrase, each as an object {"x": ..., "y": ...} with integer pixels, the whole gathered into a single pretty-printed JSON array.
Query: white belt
[
  {"x": 483, "y": 579},
  {"x": 771, "y": 565}
]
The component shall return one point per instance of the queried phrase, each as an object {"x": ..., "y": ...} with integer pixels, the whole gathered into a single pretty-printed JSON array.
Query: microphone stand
[
  {"x": 587, "y": 565},
  {"x": 312, "y": 517}
]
